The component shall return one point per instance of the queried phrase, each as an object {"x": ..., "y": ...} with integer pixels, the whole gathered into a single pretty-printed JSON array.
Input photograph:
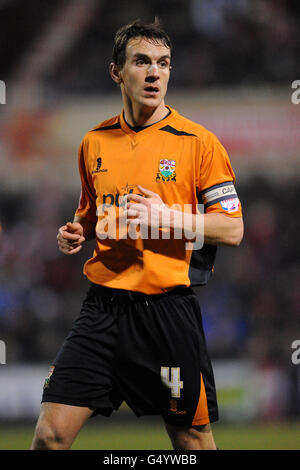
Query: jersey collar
[{"x": 137, "y": 135}]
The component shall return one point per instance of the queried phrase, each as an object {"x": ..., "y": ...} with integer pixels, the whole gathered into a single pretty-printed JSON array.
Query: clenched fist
[{"x": 70, "y": 238}]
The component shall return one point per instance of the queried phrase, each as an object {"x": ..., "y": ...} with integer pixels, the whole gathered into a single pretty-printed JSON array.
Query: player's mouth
[{"x": 151, "y": 90}]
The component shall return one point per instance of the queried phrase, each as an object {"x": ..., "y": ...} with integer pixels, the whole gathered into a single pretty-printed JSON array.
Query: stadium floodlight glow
[
  {"x": 2, "y": 352},
  {"x": 2, "y": 92}
]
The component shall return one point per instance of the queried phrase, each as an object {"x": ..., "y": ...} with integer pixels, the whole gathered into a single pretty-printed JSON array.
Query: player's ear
[{"x": 115, "y": 73}]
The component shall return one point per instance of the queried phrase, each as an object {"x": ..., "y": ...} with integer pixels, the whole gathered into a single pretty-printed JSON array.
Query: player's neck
[{"x": 144, "y": 116}]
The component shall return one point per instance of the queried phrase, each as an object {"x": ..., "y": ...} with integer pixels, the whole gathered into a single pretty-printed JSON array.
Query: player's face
[{"x": 146, "y": 72}]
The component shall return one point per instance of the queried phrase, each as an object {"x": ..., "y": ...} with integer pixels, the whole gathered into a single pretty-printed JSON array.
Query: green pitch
[{"x": 151, "y": 436}]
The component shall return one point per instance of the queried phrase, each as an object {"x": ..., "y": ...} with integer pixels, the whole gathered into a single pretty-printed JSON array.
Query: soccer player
[{"x": 139, "y": 335}]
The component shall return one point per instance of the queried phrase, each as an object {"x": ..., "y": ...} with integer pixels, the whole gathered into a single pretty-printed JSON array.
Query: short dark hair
[{"x": 152, "y": 31}]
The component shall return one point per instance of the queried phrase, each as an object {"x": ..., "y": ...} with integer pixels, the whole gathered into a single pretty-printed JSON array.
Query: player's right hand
[{"x": 70, "y": 238}]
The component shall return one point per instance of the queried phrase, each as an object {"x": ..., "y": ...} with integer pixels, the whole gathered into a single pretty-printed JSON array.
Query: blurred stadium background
[{"x": 233, "y": 68}]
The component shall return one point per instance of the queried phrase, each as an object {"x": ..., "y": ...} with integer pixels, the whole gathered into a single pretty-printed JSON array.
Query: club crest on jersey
[{"x": 167, "y": 170}]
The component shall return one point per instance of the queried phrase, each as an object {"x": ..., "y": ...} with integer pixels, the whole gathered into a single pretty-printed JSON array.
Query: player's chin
[{"x": 152, "y": 101}]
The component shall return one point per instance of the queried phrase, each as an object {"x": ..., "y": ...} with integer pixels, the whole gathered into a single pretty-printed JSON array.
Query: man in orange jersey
[{"x": 139, "y": 335}]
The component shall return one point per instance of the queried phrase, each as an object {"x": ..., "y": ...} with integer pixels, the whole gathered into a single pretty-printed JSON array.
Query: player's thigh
[
  {"x": 61, "y": 423},
  {"x": 191, "y": 438},
  {"x": 162, "y": 365}
]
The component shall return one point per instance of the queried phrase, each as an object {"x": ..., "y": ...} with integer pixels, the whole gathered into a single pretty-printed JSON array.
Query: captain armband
[{"x": 224, "y": 193}]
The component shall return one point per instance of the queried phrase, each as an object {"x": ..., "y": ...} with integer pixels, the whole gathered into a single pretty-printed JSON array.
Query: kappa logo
[
  {"x": 167, "y": 170},
  {"x": 98, "y": 167}
]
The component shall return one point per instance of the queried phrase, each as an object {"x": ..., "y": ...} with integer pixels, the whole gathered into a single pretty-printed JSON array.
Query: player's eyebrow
[
  {"x": 140, "y": 55},
  {"x": 166, "y": 56}
]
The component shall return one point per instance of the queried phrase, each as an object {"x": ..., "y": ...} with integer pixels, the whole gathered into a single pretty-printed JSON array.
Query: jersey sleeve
[
  {"x": 87, "y": 202},
  {"x": 216, "y": 180}
]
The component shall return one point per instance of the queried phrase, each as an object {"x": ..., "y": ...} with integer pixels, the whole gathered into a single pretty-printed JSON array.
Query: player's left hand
[{"x": 147, "y": 210}]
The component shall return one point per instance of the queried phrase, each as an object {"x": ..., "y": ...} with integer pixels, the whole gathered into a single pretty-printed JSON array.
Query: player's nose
[{"x": 153, "y": 70}]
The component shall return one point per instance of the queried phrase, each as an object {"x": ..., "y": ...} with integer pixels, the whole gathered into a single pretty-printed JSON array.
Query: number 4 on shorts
[{"x": 174, "y": 384}]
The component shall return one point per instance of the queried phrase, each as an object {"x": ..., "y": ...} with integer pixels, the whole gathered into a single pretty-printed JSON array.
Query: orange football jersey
[{"x": 176, "y": 158}]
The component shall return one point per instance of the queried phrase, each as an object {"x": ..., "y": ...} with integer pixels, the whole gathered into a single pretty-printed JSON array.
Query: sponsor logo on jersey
[
  {"x": 109, "y": 200},
  {"x": 166, "y": 170},
  {"x": 98, "y": 167},
  {"x": 231, "y": 205}
]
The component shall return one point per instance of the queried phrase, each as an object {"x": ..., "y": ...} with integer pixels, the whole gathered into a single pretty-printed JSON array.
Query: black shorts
[{"x": 146, "y": 350}]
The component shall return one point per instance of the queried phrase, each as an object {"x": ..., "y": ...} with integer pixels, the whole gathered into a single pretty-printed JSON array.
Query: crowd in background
[
  {"x": 251, "y": 305},
  {"x": 216, "y": 42}
]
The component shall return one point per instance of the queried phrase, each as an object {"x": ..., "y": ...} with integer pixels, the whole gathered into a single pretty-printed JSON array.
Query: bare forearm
[
  {"x": 220, "y": 229},
  {"x": 216, "y": 228},
  {"x": 212, "y": 228},
  {"x": 88, "y": 227}
]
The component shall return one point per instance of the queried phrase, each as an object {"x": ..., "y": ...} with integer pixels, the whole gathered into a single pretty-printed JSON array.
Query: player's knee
[
  {"x": 49, "y": 438},
  {"x": 193, "y": 438},
  {"x": 187, "y": 441}
]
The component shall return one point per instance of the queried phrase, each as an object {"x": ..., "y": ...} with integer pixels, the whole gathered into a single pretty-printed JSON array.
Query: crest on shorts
[
  {"x": 47, "y": 379},
  {"x": 173, "y": 405},
  {"x": 166, "y": 170}
]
